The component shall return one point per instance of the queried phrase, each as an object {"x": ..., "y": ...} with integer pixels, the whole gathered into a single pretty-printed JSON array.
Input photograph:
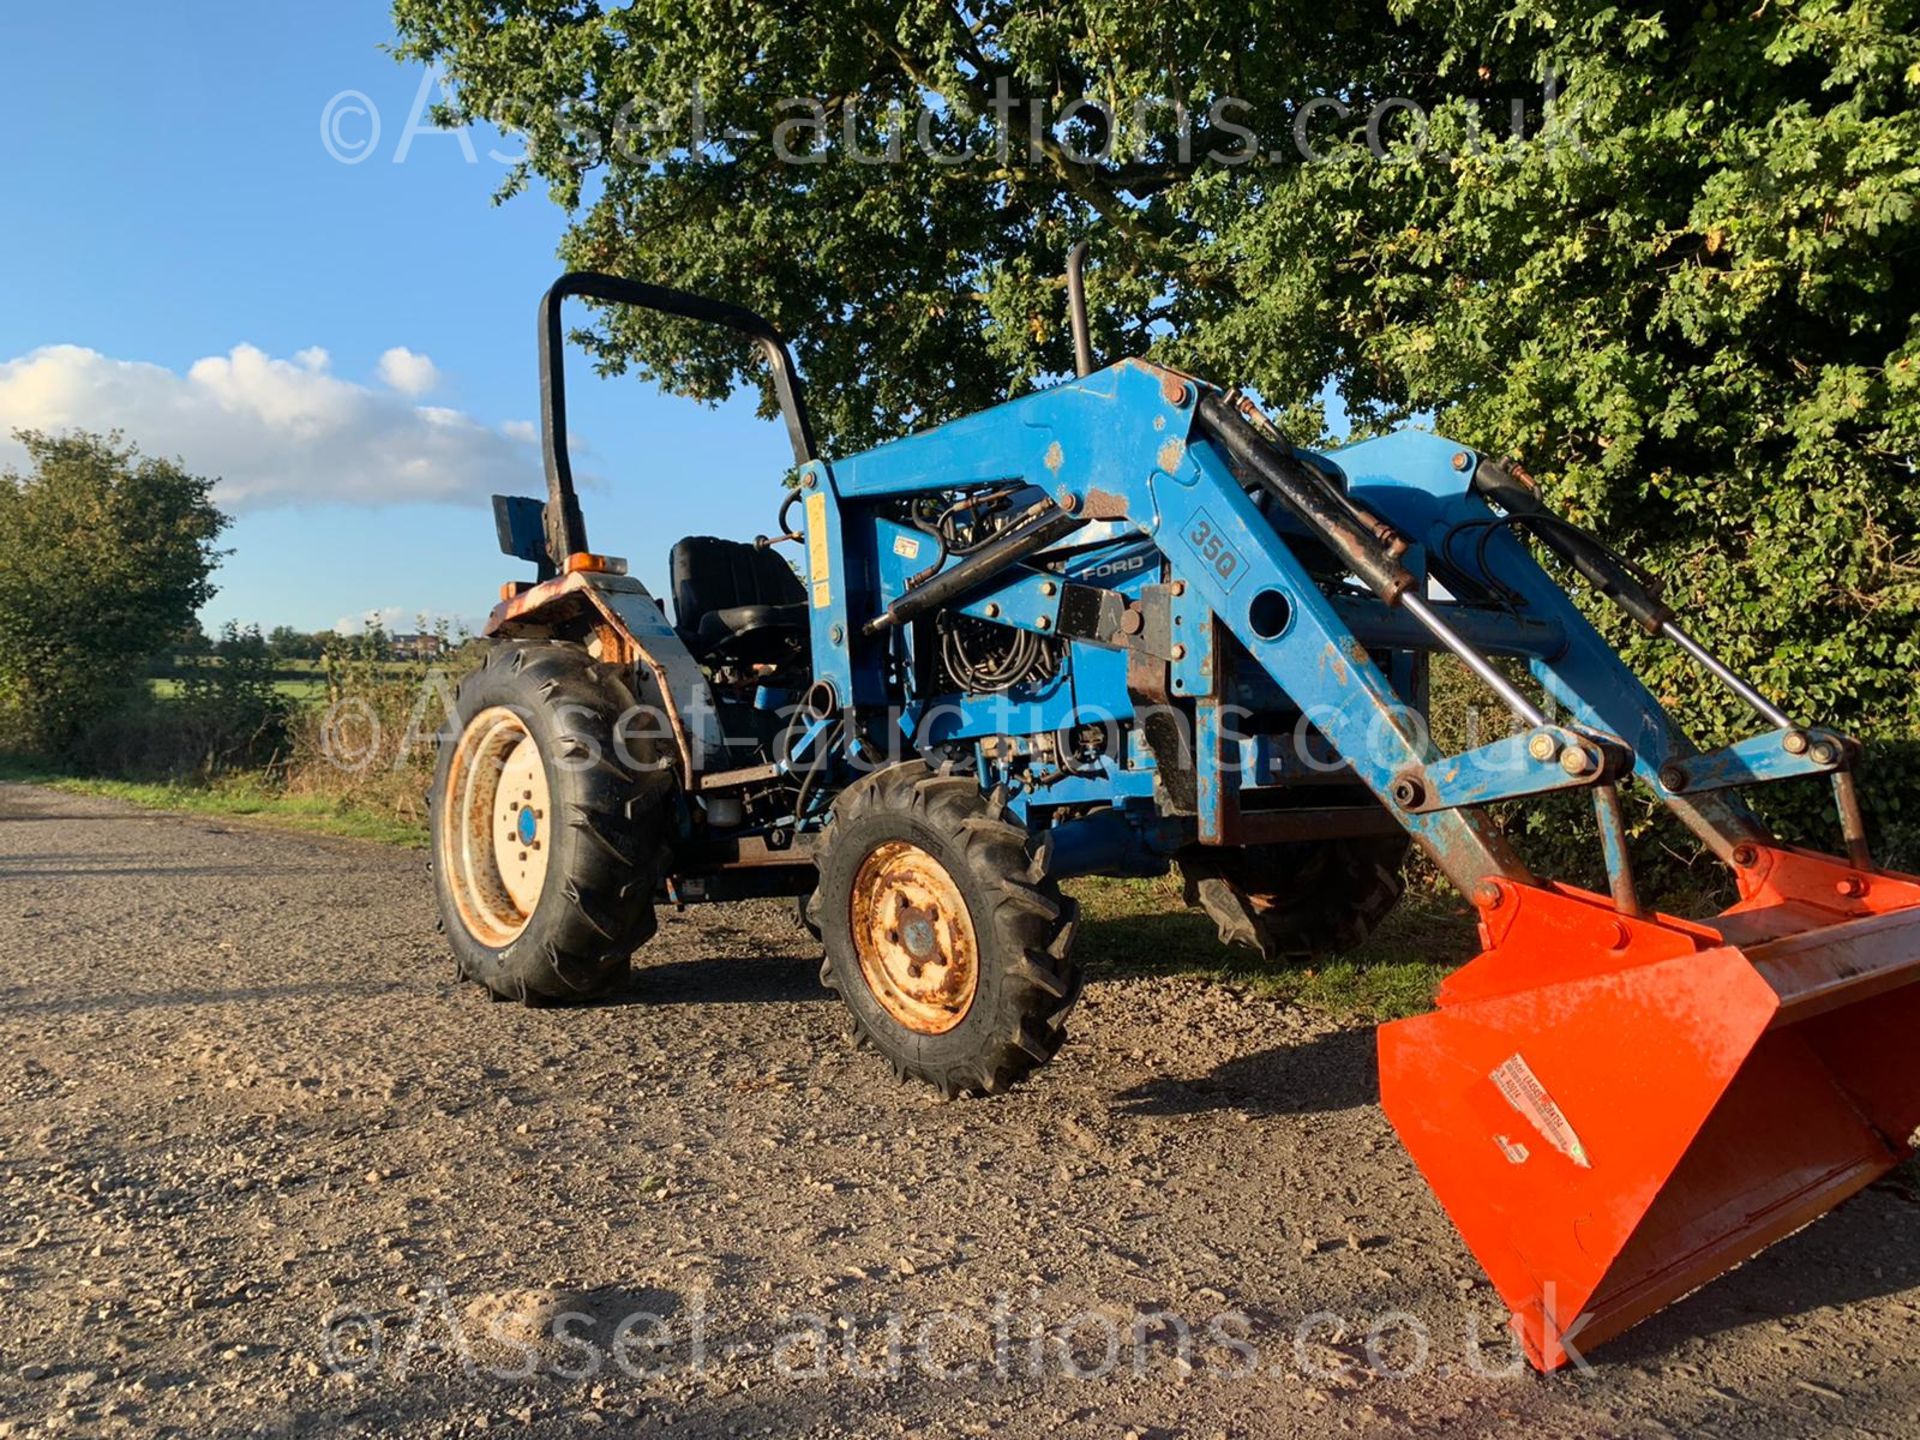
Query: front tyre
[
  {"x": 549, "y": 830},
  {"x": 953, "y": 963}
]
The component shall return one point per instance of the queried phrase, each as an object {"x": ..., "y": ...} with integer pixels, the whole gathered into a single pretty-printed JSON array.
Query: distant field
[
  {"x": 300, "y": 680},
  {"x": 302, "y": 687}
]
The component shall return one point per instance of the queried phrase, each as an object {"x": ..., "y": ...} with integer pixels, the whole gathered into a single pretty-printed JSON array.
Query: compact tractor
[{"x": 1123, "y": 624}]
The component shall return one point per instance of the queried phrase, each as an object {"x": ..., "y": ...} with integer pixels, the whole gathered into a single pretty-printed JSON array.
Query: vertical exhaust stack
[{"x": 1077, "y": 310}]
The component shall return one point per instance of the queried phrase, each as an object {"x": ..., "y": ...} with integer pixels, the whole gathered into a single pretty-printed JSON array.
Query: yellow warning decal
[{"x": 819, "y": 558}]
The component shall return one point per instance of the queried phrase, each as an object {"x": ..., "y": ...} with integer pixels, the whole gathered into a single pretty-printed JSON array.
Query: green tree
[
  {"x": 193, "y": 640},
  {"x": 914, "y": 288},
  {"x": 1680, "y": 288},
  {"x": 1687, "y": 305},
  {"x": 105, "y": 554},
  {"x": 286, "y": 643},
  {"x": 228, "y": 715}
]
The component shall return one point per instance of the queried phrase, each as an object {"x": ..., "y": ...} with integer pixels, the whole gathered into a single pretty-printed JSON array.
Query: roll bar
[{"x": 566, "y": 530}]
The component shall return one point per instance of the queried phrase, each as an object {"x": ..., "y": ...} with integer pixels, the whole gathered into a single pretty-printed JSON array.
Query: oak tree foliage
[{"x": 1664, "y": 255}]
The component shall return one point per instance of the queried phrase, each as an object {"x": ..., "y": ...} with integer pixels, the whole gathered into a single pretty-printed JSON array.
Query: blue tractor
[{"x": 1123, "y": 625}]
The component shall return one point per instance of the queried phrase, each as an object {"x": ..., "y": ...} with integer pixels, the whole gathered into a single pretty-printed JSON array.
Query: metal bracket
[
  {"x": 1774, "y": 755},
  {"x": 1536, "y": 762}
]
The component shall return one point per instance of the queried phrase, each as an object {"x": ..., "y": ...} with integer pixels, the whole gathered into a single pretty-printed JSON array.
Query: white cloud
[
  {"x": 407, "y": 372},
  {"x": 404, "y": 620},
  {"x": 274, "y": 432}
]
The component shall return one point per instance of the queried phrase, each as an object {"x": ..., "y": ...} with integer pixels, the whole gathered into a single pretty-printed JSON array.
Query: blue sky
[{"x": 169, "y": 198}]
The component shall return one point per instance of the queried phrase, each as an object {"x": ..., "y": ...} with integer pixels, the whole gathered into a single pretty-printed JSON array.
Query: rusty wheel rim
[
  {"x": 494, "y": 826},
  {"x": 914, "y": 938}
]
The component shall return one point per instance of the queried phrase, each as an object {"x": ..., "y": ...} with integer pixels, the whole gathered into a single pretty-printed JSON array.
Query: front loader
[{"x": 1122, "y": 625}]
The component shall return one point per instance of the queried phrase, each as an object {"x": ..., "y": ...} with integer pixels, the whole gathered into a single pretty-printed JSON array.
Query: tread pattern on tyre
[
  {"x": 1298, "y": 901},
  {"x": 1026, "y": 931},
  {"x": 597, "y": 907}
]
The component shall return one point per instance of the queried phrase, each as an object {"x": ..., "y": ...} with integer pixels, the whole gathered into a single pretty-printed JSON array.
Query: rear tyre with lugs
[
  {"x": 1302, "y": 900},
  {"x": 953, "y": 962},
  {"x": 550, "y": 827}
]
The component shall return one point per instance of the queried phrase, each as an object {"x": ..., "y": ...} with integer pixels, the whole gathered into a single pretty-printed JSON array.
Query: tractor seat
[{"x": 736, "y": 602}]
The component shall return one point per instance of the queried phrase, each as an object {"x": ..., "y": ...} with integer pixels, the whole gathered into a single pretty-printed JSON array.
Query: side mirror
[{"x": 521, "y": 521}]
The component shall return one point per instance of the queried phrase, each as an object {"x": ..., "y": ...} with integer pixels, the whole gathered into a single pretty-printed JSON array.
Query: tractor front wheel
[
  {"x": 954, "y": 963},
  {"x": 549, "y": 831}
]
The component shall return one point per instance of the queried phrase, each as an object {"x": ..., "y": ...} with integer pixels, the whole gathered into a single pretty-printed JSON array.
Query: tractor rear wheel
[
  {"x": 1302, "y": 900},
  {"x": 549, "y": 825},
  {"x": 954, "y": 963}
]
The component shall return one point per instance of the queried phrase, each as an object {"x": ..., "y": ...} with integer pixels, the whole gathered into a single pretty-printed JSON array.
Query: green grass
[
  {"x": 300, "y": 680},
  {"x": 1143, "y": 927},
  {"x": 167, "y": 687},
  {"x": 240, "y": 797}
]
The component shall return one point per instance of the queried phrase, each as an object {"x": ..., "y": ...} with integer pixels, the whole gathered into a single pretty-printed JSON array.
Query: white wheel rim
[{"x": 496, "y": 826}]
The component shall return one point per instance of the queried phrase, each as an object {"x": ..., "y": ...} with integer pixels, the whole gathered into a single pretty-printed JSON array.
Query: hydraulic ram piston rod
[
  {"x": 1481, "y": 666},
  {"x": 999, "y": 554},
  {"x": 1710, "y": 662}
]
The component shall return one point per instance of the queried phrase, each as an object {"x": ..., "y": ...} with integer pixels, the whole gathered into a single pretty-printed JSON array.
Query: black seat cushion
[{"x": 725, "y": 592}]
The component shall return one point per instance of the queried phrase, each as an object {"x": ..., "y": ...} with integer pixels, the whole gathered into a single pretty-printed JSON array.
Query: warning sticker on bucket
[{"x": 1521, "y": 1089}]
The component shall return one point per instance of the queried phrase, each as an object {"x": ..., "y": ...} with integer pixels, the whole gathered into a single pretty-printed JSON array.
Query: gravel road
[{"x": 268, "y": 1169}]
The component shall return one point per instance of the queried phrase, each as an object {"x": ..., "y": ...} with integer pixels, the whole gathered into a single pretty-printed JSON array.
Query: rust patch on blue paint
[{"x": 1335, "y": 663}]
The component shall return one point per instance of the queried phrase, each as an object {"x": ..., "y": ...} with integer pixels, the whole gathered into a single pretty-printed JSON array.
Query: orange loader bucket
[{"x": 1614, "y": 1109}]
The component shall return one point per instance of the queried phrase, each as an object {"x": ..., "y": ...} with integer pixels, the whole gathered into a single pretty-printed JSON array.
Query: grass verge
[
  {"x": 1143, "y": 927},
  {"x": 239, "y": 797}
]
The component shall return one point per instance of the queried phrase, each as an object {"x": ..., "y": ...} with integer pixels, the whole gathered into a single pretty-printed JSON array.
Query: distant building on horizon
[{"x": 417, "y": 647}]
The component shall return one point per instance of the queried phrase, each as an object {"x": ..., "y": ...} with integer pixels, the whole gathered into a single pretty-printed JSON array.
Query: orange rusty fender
[{"x": 626, "y": 623}]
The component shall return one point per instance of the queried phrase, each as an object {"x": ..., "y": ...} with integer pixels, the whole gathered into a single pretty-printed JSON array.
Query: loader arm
[{"x": 1130, "y": 449}]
